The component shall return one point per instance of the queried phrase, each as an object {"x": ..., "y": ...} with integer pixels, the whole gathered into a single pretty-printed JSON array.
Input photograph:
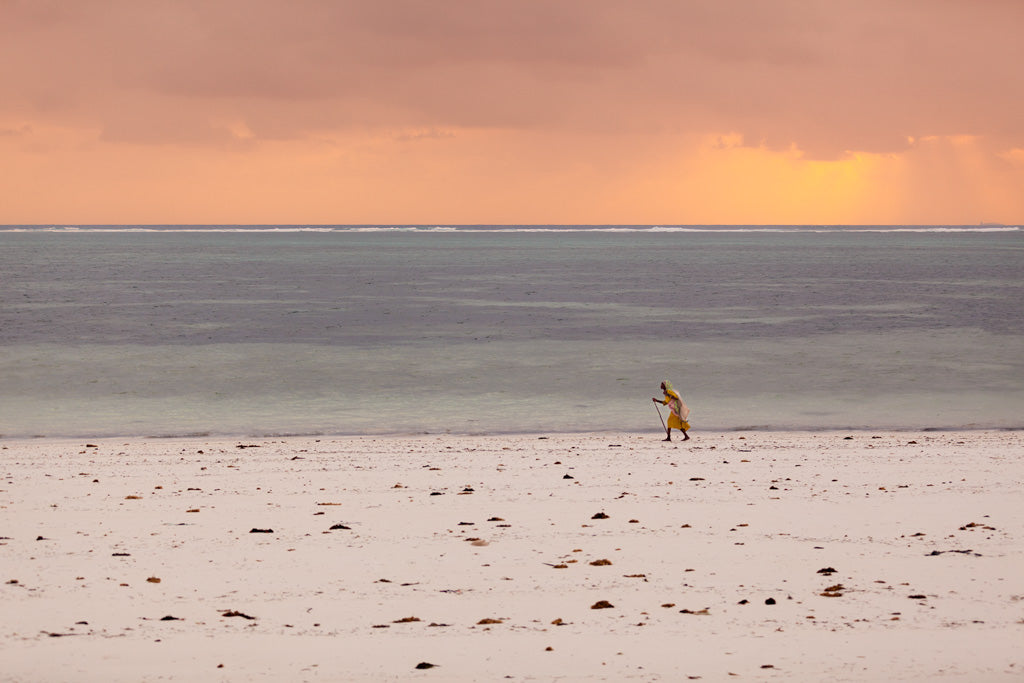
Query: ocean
[{"x": 274, "y": 330}]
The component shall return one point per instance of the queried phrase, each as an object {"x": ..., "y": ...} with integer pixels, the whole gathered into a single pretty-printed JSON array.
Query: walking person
[{"x": 677, "y": 420}]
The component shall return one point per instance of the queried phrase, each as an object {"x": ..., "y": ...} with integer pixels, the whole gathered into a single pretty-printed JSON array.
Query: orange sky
[{"x": 521, "y": 111}]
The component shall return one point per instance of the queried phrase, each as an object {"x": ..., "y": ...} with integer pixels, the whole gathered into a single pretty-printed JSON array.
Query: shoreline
[
  {"x": 360, "y": 557},
  {"x": 781, "y": 431}
]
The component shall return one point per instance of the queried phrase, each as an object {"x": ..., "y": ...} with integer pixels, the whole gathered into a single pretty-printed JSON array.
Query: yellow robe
[{"x": 674, "y": 420}]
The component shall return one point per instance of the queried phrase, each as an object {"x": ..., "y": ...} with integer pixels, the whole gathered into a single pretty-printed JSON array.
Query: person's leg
[
  {"x": 668, "y": 433},
  {"x": 686, "y": 437}
]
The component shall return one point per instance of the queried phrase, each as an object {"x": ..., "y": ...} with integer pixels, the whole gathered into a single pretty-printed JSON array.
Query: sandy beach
[{"x": 836, "y": 556}]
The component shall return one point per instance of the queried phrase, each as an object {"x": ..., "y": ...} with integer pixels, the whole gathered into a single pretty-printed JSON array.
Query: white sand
[{"x": 718, "y": 520}]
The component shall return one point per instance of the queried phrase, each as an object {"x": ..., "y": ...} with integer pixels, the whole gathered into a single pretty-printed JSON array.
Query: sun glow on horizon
[{"x": 495, "y": 176}]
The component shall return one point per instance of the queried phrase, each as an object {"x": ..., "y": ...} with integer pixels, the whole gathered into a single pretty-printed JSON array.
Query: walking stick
[{"x": 662, "y": 419}]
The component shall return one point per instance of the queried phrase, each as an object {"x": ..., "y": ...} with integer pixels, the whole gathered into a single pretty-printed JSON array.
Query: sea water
[{"x": 257, "y": 330}]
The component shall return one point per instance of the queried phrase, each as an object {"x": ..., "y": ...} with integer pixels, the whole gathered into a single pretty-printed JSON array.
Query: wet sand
[{"x": 758, "y": 556}]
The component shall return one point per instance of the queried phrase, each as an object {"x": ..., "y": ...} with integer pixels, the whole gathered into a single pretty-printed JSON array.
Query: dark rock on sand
[{"x": 233, "y": 613}]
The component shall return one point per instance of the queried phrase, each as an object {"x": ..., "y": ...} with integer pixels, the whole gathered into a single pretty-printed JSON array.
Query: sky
[{"x": 511, "y": 112}]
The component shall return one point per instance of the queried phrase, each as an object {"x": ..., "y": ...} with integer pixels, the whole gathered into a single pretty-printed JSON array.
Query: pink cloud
[
  {"x": 598, "y": 81},
  {"x": 826, "y": 76}
]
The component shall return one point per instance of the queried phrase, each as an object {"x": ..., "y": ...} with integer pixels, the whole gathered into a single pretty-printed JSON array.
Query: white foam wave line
[{"x": 661, "y": 229}]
